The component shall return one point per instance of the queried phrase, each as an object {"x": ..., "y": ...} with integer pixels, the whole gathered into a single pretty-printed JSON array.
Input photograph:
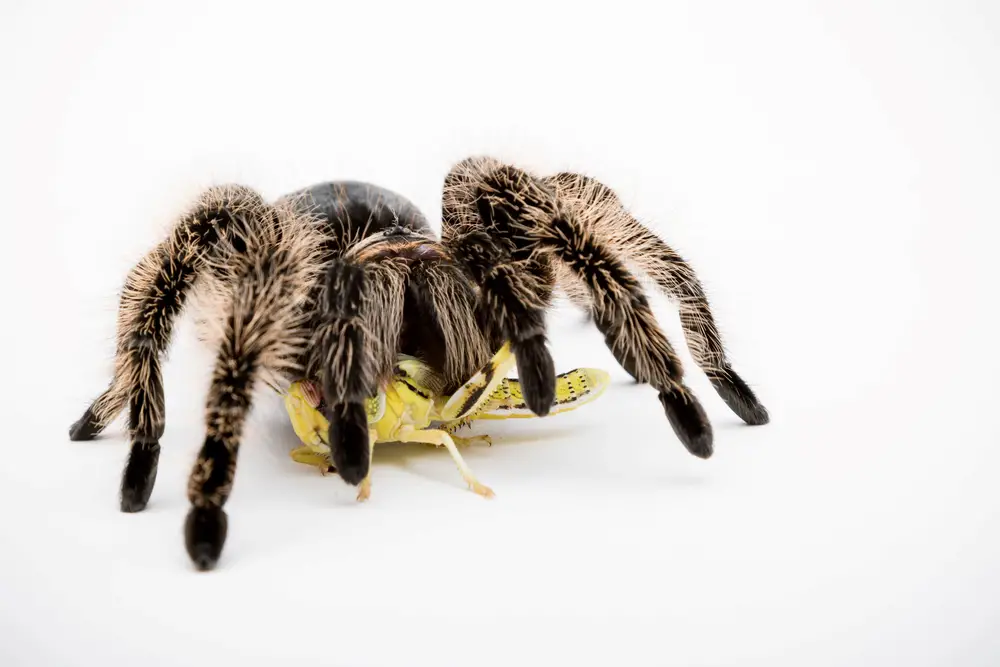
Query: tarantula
[{"x": 332, "y": 282}]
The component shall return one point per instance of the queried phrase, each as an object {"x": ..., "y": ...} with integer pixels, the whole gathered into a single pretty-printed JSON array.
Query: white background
[{"x": 830, "y": 168}]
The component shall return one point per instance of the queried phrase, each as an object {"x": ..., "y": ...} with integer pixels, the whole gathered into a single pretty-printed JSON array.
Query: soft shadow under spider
[
  {"x": 551, "y": 435},
  {"x": 660, "y": 482}
]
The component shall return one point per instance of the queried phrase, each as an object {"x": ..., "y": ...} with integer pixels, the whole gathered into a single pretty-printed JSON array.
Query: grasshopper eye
[{"x": 375, "y": 408}]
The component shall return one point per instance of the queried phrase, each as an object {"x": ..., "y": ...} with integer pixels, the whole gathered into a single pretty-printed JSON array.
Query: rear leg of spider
[
  {"x": 738, "y": 396},
  {"x": 605, "y": 217},
  {"x": 619, "y": 307},
  {"x": 642, "y": 349}
]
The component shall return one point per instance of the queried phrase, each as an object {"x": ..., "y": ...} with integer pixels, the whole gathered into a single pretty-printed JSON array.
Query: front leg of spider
[
  {"x": 355, "y": 346},
  {"x": 348, "y": 437},
  {"x": 263, "y": 316},
  {"x": 511, "y": 309},
  {"x": 341, "y": 342}
]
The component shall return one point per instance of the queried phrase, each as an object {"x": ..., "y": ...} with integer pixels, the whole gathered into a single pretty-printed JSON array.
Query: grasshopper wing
[{"x": 573, "y": 389}]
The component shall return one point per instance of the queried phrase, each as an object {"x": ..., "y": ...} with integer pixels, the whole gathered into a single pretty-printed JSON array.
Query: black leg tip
[
  {"x": 740, "y": 398},
  {"x": 689, "y": 421},
  {"x": 349, "y": 446},
  {"x": 139, "y": 476},
  {"x": 204, "y": 535},
  {"x": 84, "y": 428},
  {"x": 537, "y": 374},
  {"x": 132, "y": 502}
]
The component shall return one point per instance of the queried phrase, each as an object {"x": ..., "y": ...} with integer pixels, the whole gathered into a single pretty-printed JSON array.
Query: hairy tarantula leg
[
  {"x": 155, "y": 291},
  {"x": 526, "y": 211},
  {"x": 90, "y": 424},
  {"x": 511, "y": 305},
  {"x": 440, "y": 438},
  {"x": 602, "y": 213},
  {"x": 516, "y": 287},
  {"x": 341, "y": 339},
  {"x": 153, "y": 295},
  {"x": 622, "y": 313},
  {"x": 355, "y": 347},
  {"x": 262, "y": 334}
]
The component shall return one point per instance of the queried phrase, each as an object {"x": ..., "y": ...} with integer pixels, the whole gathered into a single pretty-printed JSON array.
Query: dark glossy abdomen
[{"x": 355, "y": 210}]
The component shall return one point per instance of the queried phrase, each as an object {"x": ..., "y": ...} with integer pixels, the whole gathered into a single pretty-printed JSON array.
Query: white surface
[{"x": 829, "y": 168}]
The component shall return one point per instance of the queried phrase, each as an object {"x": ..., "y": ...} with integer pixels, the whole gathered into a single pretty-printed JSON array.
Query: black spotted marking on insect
[
  {"x": 569, "y": 399},
  {"x": 572, "y": 388}
]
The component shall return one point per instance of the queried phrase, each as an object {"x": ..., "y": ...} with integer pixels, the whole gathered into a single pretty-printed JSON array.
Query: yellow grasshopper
[{"x": 406, "y": 410}]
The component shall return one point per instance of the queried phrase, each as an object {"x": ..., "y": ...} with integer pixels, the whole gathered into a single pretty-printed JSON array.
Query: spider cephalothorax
[{"x": 333, "y": 283}]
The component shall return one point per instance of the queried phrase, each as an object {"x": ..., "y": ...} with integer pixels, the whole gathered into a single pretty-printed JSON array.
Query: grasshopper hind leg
[
  {"x": 365, "y": 488},
  {"x": 442, "y": 439}
]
